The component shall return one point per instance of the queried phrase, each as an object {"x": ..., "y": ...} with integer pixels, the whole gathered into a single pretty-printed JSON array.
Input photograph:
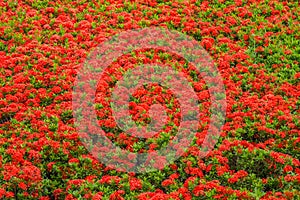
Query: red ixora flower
[
  {"x": 97, "y": 196},
  {"x": 117, "y": 195},
  {"x": 10, "y": 171},
  {"x": 207, "y": 43},
  {"x": 167, "y": 182},
  {"x": 135, "y": 184},
  {"x": 22, "y": 185},
  {"x": 31, "y": 173}
]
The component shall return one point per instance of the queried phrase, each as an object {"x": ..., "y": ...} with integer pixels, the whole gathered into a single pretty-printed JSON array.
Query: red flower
[
  {"x": 246, "y": 37},
  {"x": 174, "y": 176},
  {"x": 207, "y": 43},
  {"x": 221, "y": 170},
  {"x": 75, "y": 182},
  {"x": 50, "y": 10},
  {"x": 2, "y": 192},
  {"x": 259, "y": 49},
  {"x": 70, "y": 197},
  {"x": 233, "y": 179},
  {"x": 117, "y": 195},
  {"x": 56, "y": 89},
  {"x": 288, "y": 168},
  {"x": 57, "y": 192},
  {"x": 97, "y": 196},
  {"x": 9, "y": 195},
  {"x": 23, "y": 186},
  {"x": 167, "y": 182},
  {"x": 90, "y": 178},
  {"x": 108, "y": 179},
  {"x": 50, "y": 165},
  {"x": 73, "y": 160},
  {"x": 31, "y": 173},
  {"x": 135, "y": 184},
  {"x": 288, "y": 178},
  {"x": 10, "y": 171}
]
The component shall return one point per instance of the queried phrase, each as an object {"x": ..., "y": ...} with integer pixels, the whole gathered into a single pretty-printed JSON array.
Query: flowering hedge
[{"x": 256, "y": 47}]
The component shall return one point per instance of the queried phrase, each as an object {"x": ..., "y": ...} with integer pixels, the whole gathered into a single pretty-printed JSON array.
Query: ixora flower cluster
[{"x": 149, "y": 99}]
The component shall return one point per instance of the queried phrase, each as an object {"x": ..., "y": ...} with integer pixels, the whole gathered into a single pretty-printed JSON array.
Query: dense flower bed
[{"x": 255, "y": 45}]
